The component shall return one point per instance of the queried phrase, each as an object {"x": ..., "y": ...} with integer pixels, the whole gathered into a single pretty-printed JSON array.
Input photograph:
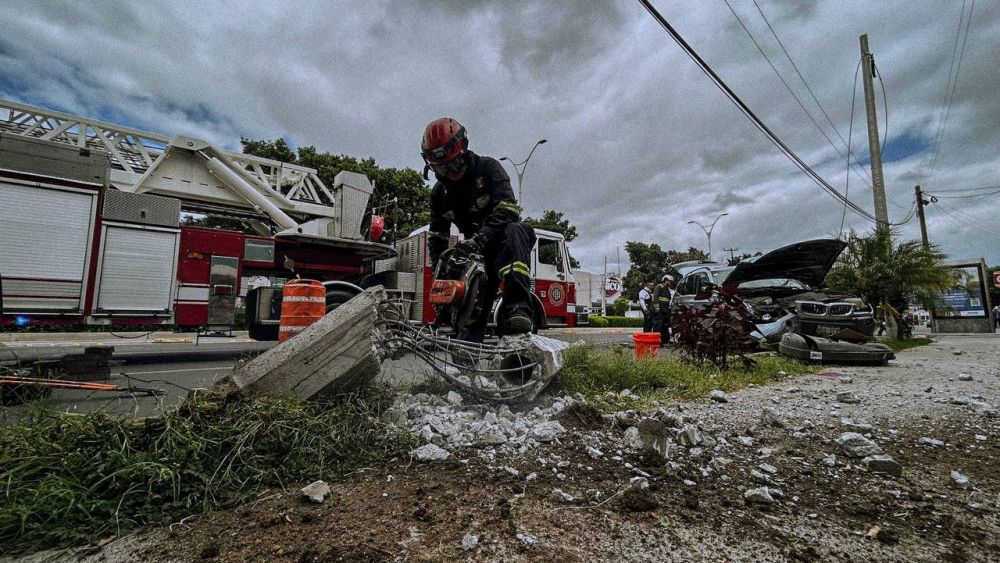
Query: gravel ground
[{"x": 894, "y": 463}]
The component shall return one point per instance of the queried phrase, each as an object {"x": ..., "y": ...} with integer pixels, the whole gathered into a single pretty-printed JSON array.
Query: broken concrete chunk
[
  {"x": 882, "y": 463},
  {"x": 632, "y": 438},
  {"x": 547, "y": 431},
  {"x": 430, "y": 452},
  {"x": 768, "y": 468},
  {"x": 562, "y": 496},
  {"x": 856, "y": 445},
  {"x": 718, "y": 396},
  {"x": 454, "y": 398},
  {"x": 859, "y": 427},
  {"x": 768, "y": 417},
  {"x": 981, "y": 407},
  {"x": 932, "y": 442},
  {"x": 594, "y": 453},
  {"x": 761, "y": 478},
  {"x": 759, "y": 495},
  {"x": 638, "y": 483},
  {"x": 316, "y": 491},
  {"x": 689, "y": 436},
  {"x": 745, "y": 441},
  {"x": 470, "y": 542},
  {"x": 959, "y": 480},
  {"x": 964, "y": 377},
  {"x": 527, "y": 539},
  {"x": 847, "y": 397},
  {"x": 332, "y": 355}
]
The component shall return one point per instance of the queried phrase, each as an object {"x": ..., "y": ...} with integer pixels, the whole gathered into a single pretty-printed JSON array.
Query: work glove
[{"x": 469, "y": 246}]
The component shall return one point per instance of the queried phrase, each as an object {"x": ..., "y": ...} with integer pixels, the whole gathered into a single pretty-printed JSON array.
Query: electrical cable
[
  {"x": 808, "y": 88},
  {"x": 954, "y": 84},
  {"x": 850, "y": 137},
  {"x": 792, "y": 92},
  {"x": 953, "y": 190},
  {"x": 983, "y": 196},
  {"x": 775, "y": 140},
  {"x": 885, "y": 111}
]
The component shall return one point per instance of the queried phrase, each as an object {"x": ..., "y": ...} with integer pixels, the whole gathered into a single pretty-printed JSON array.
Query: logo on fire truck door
[{"x": 556, "y": 294}]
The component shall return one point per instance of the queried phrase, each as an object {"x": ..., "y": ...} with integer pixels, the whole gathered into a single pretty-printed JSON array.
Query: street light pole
[
  {"x": 520, "y": 166},
  {"x": 708, "y": 231}
]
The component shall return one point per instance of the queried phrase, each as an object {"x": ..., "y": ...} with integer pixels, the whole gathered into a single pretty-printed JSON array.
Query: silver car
[{"x": 783, "y": 290}]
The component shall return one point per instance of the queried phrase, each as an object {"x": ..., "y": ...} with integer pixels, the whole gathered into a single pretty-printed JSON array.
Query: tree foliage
[
  {"x": 885, "y": 273},
  {"x": 650, "y": 262},
  {"x": 554, "y": 221},
  {"x": 401, "y": 196}
]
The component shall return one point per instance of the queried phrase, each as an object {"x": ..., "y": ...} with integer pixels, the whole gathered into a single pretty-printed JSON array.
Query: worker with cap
[
  {"x": 473, "y": 193},
  {"x": 661, "y": 307}
]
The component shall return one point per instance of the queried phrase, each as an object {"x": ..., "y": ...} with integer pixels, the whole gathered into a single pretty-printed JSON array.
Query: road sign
[{"x": 996, "y": 279}]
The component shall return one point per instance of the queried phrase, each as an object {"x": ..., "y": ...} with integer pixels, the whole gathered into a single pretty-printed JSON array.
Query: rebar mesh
[{"x": 509, "y": 370}]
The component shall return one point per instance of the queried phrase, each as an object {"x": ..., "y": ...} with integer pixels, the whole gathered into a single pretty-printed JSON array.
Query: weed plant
[
  {"x": 593, "y": 373},
  {"x": 69, "y": 479}
]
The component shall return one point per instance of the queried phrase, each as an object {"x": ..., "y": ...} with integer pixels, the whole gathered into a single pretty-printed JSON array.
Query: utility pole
[
  {"x": 874, "y": 146},
  {"x": 604, "y": 289},
  {"x": 920, "y": 215},
  {"x": 731, "y": 251}
]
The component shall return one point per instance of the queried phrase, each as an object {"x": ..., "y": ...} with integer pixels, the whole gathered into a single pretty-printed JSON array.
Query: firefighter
[
  {"x": 661, "y": 307},
  {"x": 646, "y": 304},
  {"x": 473, "y": 192}
]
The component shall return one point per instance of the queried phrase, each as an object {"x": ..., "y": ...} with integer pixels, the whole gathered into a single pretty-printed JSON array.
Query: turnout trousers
[{"x": 506, "y": 262}]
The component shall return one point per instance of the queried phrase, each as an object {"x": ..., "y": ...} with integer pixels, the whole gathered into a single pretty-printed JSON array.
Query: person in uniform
[{"x": 473, "y": 193}]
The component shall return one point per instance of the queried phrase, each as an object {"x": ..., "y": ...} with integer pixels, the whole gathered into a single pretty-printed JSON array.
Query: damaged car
[{"x": 784, "y": 292}]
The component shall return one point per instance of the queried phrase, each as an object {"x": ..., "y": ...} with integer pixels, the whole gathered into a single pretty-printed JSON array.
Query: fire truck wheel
[{"x": 336, "y": 297}]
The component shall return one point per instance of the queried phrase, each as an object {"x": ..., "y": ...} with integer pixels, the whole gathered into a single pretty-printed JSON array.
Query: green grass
[
  {"x": 70, "y": 479},
  {"x": 593, "y": 373},
  {"x": 905, "y": 344}
]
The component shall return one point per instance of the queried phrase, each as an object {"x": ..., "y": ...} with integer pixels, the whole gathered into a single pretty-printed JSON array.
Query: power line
[
  {"x": 943, "y": 125},
  {"x": 792, "y": 92},
  {"x": 850, "y": 137},
  {"x": 719, "y": 83},
  {"x": 806, "y": 83},
  {"x": 982, "y": 196}
]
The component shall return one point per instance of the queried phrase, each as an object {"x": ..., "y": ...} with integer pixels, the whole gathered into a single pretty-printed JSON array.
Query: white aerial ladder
[{"x": 277, "y": 199}]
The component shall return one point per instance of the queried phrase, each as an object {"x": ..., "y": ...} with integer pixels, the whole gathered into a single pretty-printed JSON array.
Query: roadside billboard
[{"x": 967, "y": 295}]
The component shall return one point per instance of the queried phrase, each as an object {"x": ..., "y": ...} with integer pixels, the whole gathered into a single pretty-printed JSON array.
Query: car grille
[{"x": 817, "y": 309}]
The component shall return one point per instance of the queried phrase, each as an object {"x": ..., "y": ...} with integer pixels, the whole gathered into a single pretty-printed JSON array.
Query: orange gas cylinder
[{"x": 303, "y": 302}]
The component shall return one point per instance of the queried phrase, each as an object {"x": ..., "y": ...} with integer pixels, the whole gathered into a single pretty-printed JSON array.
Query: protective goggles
[
  {"x": 453, "y": 167},
  {"x": 444, "y": 150}
]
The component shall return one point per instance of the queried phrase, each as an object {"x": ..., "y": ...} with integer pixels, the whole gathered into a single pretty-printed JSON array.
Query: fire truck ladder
[{"x": 208, "y": 178}]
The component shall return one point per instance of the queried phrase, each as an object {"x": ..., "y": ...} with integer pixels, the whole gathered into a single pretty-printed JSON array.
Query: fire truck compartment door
[
  {"x": 137, "y": 269},
  {"x": 45, "y": 236}
]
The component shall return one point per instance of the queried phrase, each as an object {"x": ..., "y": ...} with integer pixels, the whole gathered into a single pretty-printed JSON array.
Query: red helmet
[{"x": 444, "y": 140}]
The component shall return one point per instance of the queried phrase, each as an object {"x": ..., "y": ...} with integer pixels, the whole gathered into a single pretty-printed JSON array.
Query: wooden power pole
[
  {"x": 920, "y": 215},
  {"x": 874, "y": 146}
]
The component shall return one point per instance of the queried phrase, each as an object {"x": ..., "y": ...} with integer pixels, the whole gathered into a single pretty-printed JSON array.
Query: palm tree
[{"x": 889, "y": 275}]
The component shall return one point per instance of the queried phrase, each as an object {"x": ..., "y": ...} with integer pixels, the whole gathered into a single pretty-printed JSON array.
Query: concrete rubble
[
  {"x": 856, "y": 445},
  {"x": 882, "y": 463},
  {"x": 316, "y": 491}
]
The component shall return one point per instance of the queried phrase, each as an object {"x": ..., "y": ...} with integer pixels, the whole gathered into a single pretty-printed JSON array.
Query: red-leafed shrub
[{"x": 717, "y": 331}]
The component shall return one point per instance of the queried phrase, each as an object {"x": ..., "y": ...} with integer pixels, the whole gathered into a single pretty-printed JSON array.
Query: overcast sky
[{"x": 639, "y": 140}]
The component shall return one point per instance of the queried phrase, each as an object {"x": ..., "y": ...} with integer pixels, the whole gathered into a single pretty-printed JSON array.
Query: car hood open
[{"x": 807, "y": 262}]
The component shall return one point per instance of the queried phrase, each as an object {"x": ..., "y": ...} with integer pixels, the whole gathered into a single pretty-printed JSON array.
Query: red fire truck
[{"x": 91, "y": 232}]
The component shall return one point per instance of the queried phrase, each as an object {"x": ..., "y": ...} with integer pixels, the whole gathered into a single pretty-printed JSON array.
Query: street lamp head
[
  {"x": 504, "y": 158},
  {"x": 723, "y": 214},
  {"x": 543, "y": 141},
  {"x": 691, "y": 222}
]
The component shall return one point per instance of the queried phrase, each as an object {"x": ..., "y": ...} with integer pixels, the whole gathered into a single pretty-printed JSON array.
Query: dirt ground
[{"x": 507, "y": 509}]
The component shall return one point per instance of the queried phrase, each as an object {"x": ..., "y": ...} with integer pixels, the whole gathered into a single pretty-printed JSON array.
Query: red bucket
[{"x": 646, "y": 344}]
